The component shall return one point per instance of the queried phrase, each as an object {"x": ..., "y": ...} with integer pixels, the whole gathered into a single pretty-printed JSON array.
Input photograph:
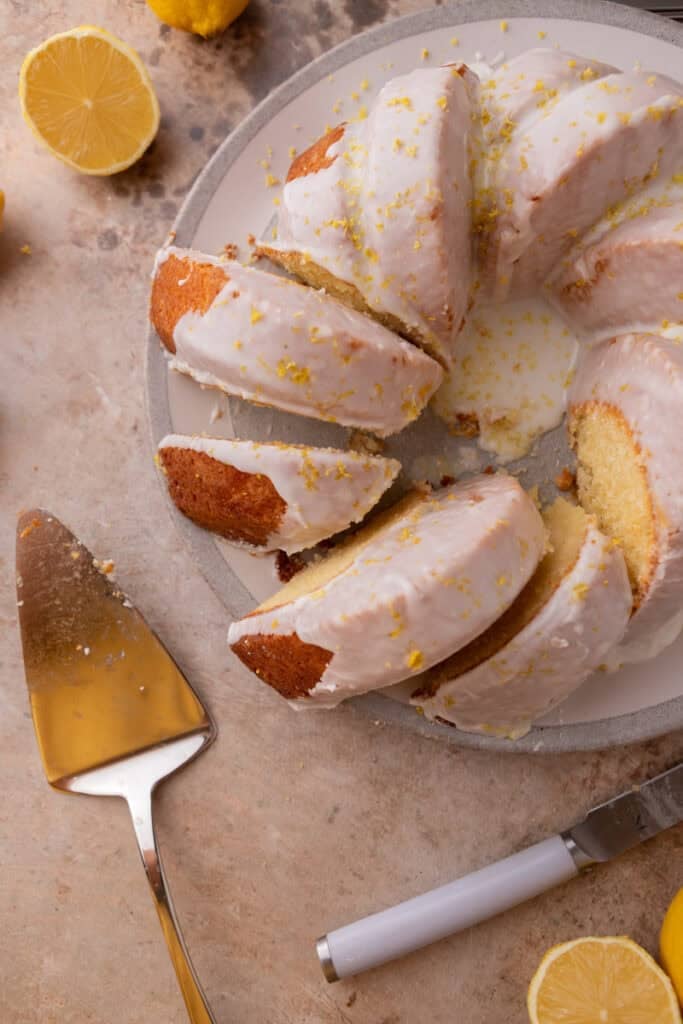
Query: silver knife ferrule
[
  {"x": 322, "y": 948},
  {"x": 581, "y": 859}
]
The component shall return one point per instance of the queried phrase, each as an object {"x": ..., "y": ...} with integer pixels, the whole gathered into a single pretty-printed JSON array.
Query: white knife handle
[{"x": 434, "y": 915}]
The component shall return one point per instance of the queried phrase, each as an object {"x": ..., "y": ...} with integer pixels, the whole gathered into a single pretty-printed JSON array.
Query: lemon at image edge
[
  {"x": 87, "y": 96},
  {"x": 671, "y": 943},
  {"x": 610, "y": 979},
  {"x": 202, "y": 17}
]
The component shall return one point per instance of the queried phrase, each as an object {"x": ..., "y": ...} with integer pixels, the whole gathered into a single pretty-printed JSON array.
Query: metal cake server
[
  {"x": 607, "y": 831},
  {"x": 112, "y": 712}
]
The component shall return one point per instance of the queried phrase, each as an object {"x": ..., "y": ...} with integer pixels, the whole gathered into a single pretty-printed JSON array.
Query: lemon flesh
[
  {"x": 601, "y": 981},
  {"x": 671, "y": 943},
  {"x": 203, "y": 17},
  {"x": 87, "y": 96}
]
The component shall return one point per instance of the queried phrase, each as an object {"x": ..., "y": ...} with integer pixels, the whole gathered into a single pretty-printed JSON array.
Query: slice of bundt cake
[
  {"x": 406, "y": 591},
  {"x": 272, "y": 496},
  {"x": 630, "y": 278},
  {"x": 379, "y": 212},
  {"x": 625, "y": 424},
  {"x": 270, "y": 340},
  {"x": 571, "y": 613}
]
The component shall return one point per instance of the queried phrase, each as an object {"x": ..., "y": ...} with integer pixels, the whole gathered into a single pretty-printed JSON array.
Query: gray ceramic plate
[{"x": 230, "y": 200}]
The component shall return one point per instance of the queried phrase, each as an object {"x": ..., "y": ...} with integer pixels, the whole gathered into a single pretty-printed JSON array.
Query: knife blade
[
  {"x": 632, "y": 817},
  {"x": 607, "y": 830}
]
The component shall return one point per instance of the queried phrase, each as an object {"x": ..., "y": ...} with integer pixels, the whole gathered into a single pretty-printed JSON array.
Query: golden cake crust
[
  {"x": 315, "y": 158},
  {"x": 239, "y": 506},
  {"x": 171, "y": 299},
  {"x": 286, "y": 663}
]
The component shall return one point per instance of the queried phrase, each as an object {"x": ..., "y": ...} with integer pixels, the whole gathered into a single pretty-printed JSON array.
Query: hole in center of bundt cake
[
  {"x": 612, "y": 484},
  {"x": 567, "y": 525}
]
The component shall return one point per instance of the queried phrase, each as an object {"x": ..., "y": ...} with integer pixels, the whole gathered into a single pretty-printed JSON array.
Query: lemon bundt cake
[
  {"x": 569, "y": 158},
  {"x": 272, "y": 496},
  {"x": 551, "y": 175},
  {"x": 625, "y": 423},
  {"x": 569, "y": 616},
  {"x": 273, "y": 341},
  {"x": 378, "y": 212},
  {"x": 409, "y": 589},
  {"x": 629, "y": 279}
]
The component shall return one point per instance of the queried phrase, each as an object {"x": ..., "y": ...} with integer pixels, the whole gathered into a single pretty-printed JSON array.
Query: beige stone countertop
[{"x": 292, "y": 823}]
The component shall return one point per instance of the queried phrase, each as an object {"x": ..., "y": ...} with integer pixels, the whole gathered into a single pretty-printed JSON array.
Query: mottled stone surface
[{"x": 291, "y": 824}]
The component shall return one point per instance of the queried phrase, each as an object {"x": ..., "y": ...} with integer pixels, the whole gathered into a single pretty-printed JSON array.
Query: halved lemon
[
  {"x": 601, "y": 981},
  {"x": 87, "y": 96},
  {"x": 671, "y": 943}
]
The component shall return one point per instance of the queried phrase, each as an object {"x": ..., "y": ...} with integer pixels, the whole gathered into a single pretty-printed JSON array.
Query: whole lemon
[
  {"x": 671, "y": 943},
  {"x": 203, "y": 17}
]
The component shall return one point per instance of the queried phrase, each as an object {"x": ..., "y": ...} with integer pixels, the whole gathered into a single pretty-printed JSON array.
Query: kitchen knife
[{"x": 607, "y": 830}]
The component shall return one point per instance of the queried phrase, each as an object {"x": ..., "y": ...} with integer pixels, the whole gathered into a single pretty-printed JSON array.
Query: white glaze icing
[
  {"x": 642, "y": 377},
  {"x": 527, "y": 88},
  {"x": 325, "y": 489},
  {"x": 318, "y": 209},
  {"x": 630, "y": 279},
  {"x": 391, "y": 212},
  {"x": 418, "y": 216},
  {"x": 662, "y": 192},
  {"x": 568, "y": 638},
  {"x": 427, "y": 585},
  {"x": 511, "y": 371},
  {"x": 586, "y": 148},
  {"x": 648, "y": 646},
  {"x": 282, "y": 344}
]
